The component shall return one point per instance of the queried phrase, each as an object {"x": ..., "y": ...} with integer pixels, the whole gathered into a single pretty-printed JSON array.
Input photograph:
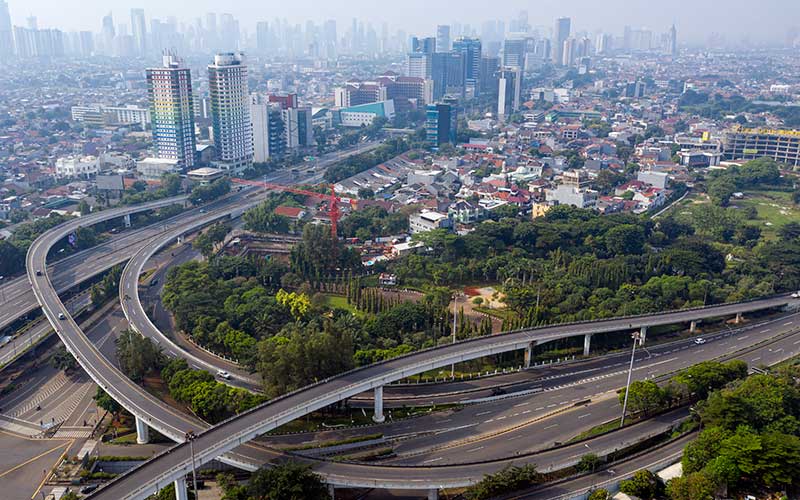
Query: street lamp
[
  {"x": 455, "y": 314},
  {"x": 191, "y": 436},
  {"x": 636, "y": 336}
]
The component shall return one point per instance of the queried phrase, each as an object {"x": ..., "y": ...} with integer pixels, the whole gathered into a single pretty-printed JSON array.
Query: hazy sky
[{"x": 696, "y": 19}]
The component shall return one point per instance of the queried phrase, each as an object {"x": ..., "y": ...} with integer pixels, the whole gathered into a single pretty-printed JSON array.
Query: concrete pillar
[
  {"x": 332, "y": 491},
  {"x": 738, "y": 318},
  {"x": 529, "y": 354},
  {"x": 642, "y": 335},
  {"x": 378, "y": 416},
  {"x": 433, "y": 494},
  {"x": 587, "y": 343},
  {"x": 142, "y": 432},
  {"x": 127, "y": 220},
  {"x": 181, "y": 492},
  {"x": 693, "y": 327}
]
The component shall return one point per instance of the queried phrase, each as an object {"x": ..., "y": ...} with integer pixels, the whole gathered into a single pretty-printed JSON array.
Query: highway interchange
[{"x": 490, "y": 430}]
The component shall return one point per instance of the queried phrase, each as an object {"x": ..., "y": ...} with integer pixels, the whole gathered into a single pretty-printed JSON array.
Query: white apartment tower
[{"x": 230, "y": 111}]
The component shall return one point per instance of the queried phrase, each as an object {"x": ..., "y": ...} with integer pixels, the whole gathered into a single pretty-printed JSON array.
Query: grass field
[
  {"x": 774, "y": 209},
  {"x": 339, "y": 302}
]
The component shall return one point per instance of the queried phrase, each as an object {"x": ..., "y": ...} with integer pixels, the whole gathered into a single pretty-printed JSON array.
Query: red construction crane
[{"x": 333, "y": 200}]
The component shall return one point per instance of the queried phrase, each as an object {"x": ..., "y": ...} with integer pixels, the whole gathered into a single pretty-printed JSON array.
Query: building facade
[
  {"x": 169, "y": 89},
  {"x": 440, "y": 124},
  {"x": 742, "y": 143},
  {"x": 230, "y": 111}
]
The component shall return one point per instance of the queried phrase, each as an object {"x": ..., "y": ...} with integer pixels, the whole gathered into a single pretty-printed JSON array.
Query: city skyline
[{"x": 772, "y": 26}]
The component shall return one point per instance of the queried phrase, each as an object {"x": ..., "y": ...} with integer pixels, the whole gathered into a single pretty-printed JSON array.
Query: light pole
[
  {"x": 191, "y": 436},
  {"x": 636, "y": 336},
  {"x": 455, "y": 313}
]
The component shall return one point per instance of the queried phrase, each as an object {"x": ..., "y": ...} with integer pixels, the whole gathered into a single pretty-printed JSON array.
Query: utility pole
[
  {"x": 636, "y": 336},
  {"x": 455, "y": 313},
  {"x": 191, "y": 436}
]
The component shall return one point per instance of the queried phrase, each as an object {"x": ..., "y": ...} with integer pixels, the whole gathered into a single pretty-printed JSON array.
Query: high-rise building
[
  {"x": 230, "y": 111},
  {"x": 419, "y": 64},
  {"x": 139, "y": 31},
  {"x": 6, "y": 33},
  {"x": 108, "y": 34},
  {"x": 443, "y": 38},
  {"x": 673, "y": 41},
  {"x": 169, "y": 89},
  {"x": 568, "y": 52},
  {"x": 488, "y": 79},
  {"x": 470, "y": 50},
  {"x": 514, "y": 52},
  {"x": 425, "y": 45},
  {"x": 560, "y": 35},
  {"x": 741, "y": 143},
  {"x": 269, "y": 131},
  {"x": 440, "y": 124},
  {"x": 509, "y": 93}
]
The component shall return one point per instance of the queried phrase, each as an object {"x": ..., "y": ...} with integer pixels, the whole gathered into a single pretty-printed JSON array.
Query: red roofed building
[{"x": 290, "y": 212}]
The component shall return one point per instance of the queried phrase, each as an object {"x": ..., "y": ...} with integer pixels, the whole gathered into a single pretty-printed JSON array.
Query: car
[
  {"x": 61, "y": 316},
  {"x": 796, "y": 295},
  {"x": 498, "y": 391},
  {"x": 89, "y": 488},
  {"x": 223, "y": 374},
  {"x": 38, "y": 272},
  {"x": 154, "y": 282},
  {"x": 700, "y": 341}
]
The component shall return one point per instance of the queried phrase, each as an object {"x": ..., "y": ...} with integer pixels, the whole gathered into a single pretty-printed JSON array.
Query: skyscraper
[
  {"x": 108, "y": 34},
  {"x": 560, "y": 35},
  {"x": 673, "y": 41},
  {"x": 139, "y": 31},
  {"x": 470, "y": 50},
  {"x": 169, "y": 89},
  {"x": 230, "y": 111},
  {"x": 509, "y": 92},
  {"x": 443, "y": 38},
  {"x": 514, "y": 52},
  {"x": 6, "y": 33},
  {"x": 440, "y": 124}
]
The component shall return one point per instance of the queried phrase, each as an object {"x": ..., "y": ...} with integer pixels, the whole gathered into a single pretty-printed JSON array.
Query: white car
[
  {"x": 796, "y": 295},
  {"x": 223, "y": 374},
  {"x": 699, "y": 341}
]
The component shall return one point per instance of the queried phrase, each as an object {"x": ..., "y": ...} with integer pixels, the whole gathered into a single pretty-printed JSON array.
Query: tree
[
  {"x": 287, "y": 481},
  {"x": 600, "y": 494},
  {"x": 694, "y": 486},
  {"x": 63, "y": 360},
  {"x": 644, "y": 396},
  {"x": 720, "y": 189},
  {"x": 644, "y": 484},
  {"x": 588, "y": 463},
  {"x": 625, "y": 239},
  {"x": 137, "y": 355},
  {"x": 106, "y": 402},
  {"x": 510, "y": 479},
  {"x": 84, "y": 208},
  {"x": 790, "y": 231}
]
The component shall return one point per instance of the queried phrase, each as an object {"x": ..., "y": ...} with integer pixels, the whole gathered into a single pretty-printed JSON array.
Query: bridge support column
[
  {"x": 642, "y": 335},
  {"x": 693, "y": 327},
  {"x": 332, "y": 491},
  {"x": 587, "y": 343},
  {"x": 433, "y": 494},
  {"x": 181, "y": 493},
  {"x": 529, "y": 354},
  {"x": 378, "y": 416},
  {"x": 127, "y": 219},
  {"x": 142, "y": 432},
  {"x": 738, "y": 318}
]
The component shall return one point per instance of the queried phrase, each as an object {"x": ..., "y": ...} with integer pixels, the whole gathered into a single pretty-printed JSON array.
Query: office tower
[
  {"x": 560, "y": 35},
  {"x": 520, "y": 24},
  {"x": 269, "y": 132},
  {"x": 85, "y": 46},
  {"x": 419, "y": 64},
  {"x": 440, "y": 124},
  {"x": 568, "y": 52},
  {"x": 509, "y": 92},
  {"x": 425, "y": 45},
  {"x": 488, "y": 78},
  {"x": 169, "y": 89},
  {"x": 139, "y": 30},
  {"x": 6, "y": 31},
  {"x": 447, "y": 73},
  {"x": 229, "y": 32},
  {"x": 262, "y": 37},
  {"x": 470, "y": 50},
  {"x": 32, "y": 22},
  {"x": 230, "y": 111},
  {"x": 604, "y": 43},
  {"x": 673, "y": 41},
  {"x": 514, "y": 52},
  {"x": 108, "y": 34},
  {"x": 443, "y": 38},
  {"x": 330, "y": 40}
]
